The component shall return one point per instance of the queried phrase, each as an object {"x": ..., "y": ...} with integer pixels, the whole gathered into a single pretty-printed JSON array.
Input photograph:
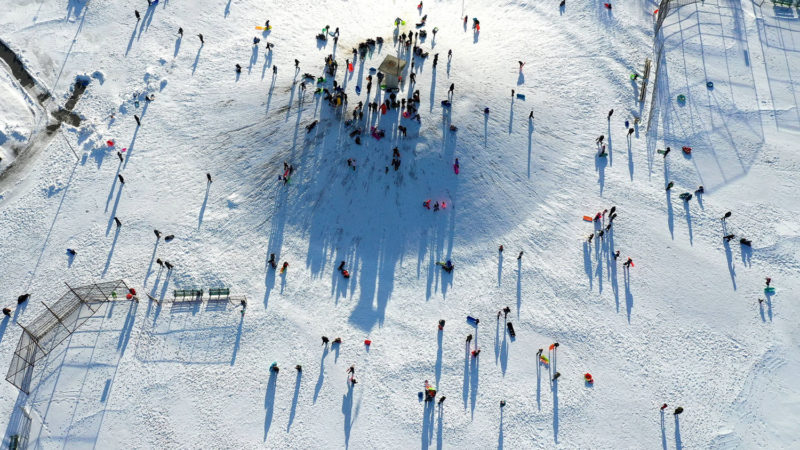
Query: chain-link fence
[
  {"x": 664, "y": 9},
  {"x": 56, "y": 323}
]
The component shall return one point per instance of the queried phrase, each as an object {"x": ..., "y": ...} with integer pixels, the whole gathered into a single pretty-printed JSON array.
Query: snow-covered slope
[{"x": 683, "y": 326}]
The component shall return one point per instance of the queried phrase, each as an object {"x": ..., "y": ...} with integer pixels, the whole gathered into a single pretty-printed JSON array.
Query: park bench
[
  {"x": 192, "y": 294},
  {"x": 219, "y": 292}
]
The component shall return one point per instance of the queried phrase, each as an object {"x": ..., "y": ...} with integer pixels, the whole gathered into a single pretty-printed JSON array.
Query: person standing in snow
[
  {"x": 117, "y": 221},
  {"x": 180, "y": 31},
  {"x": 136, "y": 13},
  {"x": 202, "y": 42},
  {"x": 628, "y": 263},
  {"x": 297, "y": 64},
  {"x": 520, "y": 255},
  {"x": 610, "y": 113},
  {"x": 208, "y": 176}
]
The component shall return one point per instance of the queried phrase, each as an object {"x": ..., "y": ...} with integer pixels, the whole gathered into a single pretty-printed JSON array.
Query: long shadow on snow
[{"x": 269, "y": 402}]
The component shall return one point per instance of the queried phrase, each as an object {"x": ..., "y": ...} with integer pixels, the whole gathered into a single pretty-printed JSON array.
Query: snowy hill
[{"x": 683, "y": 326}]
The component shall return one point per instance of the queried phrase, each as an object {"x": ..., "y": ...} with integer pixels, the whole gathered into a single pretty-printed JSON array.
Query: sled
[
  {"x": 110, "y": 143},
  {"x": 687, "y": 150},
  {"x": 472, "y": 320},
  {"x": 521, "y": 96},
  {"x": 685, "y": 196},
  {"x": 710, "y": 85},
  {"x": 350, "y": 67},
  {"x": 511, "y": 331},
  {"x": 661, "y": 152},
  {"x": 345, "y": 274},
  {"x": 588, "y": 218},
  {"x": 372, "y": 70},
  {"x": 769, "y": 290},
  {"x": 264, "y": 28}
]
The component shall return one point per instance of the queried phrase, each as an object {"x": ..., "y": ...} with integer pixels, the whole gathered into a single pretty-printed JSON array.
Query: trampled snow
[{"x": 683, "y": 326}]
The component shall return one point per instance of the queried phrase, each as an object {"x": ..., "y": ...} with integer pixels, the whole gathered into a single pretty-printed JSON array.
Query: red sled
[
  {"x": 110, "y": 143},
  {"x": 350, "y": 67},
  {"x": 588, "y": 218},
  {"x": 687, "y": 150}
]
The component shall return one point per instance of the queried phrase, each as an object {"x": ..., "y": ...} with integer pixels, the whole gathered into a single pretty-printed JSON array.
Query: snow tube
[
  {"x": 681, "y": 98},
  {"x": 129, "y": 296},
  {"x": 710, "y": 85}
]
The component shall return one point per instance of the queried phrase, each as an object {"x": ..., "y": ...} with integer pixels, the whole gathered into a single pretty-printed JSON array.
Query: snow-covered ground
[
  {"x": 17, "y": 117},
  {"x": 683, "y": 326}
]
